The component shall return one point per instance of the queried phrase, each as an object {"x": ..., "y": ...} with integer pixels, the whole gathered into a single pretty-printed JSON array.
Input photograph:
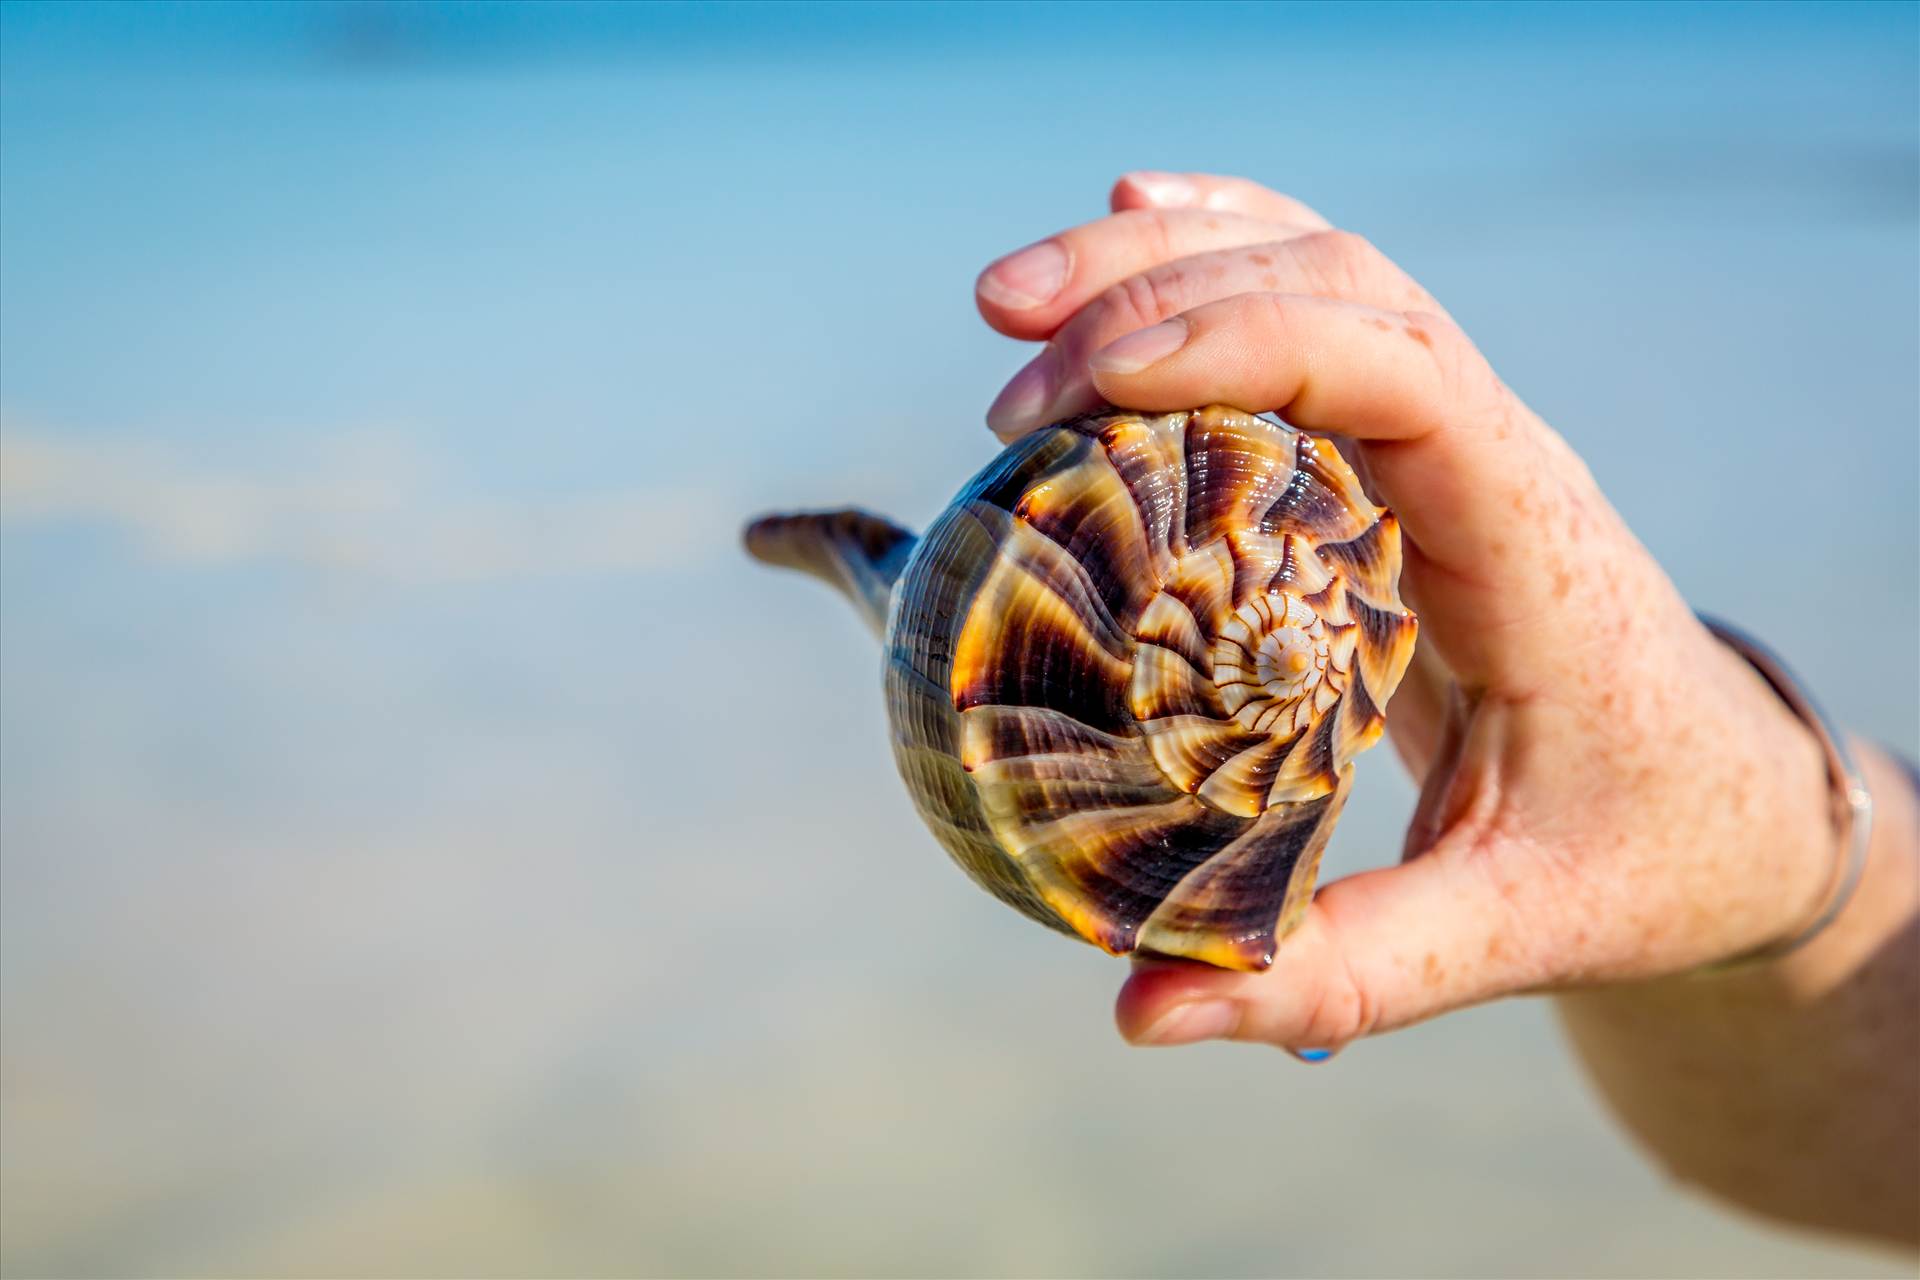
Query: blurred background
[{"x": 403, "y": 875}]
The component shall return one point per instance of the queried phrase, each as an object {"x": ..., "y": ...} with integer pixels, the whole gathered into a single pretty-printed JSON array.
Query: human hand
[{"x": 1608, "y": 794}]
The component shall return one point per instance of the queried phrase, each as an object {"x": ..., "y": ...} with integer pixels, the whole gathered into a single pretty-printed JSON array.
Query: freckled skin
[{"x": 1610, "y": 798}]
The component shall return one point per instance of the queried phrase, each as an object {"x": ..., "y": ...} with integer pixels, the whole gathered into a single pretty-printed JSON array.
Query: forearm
[{"x": 1790, "y": 1089}]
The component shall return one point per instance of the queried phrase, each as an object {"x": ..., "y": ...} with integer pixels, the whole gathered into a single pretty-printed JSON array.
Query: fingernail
[
  {"x": 1311, "y": 1055},
  {"x": 1024, "y": 401},
  {"x": 1136, "y": 351},
  {"x": 1027, "y": 279},
  {"x": 1168, "y": 189},
  {"x": 1205, "y": 1020}
]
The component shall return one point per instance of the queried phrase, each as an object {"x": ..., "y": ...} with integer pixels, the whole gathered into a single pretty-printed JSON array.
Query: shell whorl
[{"x": 1129, "y": 667}]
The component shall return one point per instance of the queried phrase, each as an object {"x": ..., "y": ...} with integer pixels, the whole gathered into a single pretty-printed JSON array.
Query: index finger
[{"x": 1486, "y": 492}]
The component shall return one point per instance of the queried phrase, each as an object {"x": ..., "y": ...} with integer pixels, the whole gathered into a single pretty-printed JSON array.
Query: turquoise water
[{"x": 429, "y": 846}]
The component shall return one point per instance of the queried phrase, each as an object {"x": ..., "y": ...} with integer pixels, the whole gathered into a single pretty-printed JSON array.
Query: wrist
[
  {"x": 1819, "y": 818},
  {"x": 1885, "y": 902}
]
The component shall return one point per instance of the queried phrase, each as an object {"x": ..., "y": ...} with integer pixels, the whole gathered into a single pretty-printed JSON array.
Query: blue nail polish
[{"x": 1313, "y": 1055}]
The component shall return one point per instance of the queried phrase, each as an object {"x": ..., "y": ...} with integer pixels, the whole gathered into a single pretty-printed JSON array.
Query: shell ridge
[
  {"x": 1142, "y": 454},
  {"x": 1230, "y": 910},
  {"x": 1168, "y": 623},
  {"x": 1371, "y": 561},
  {"x": 1088, "y": 510},
  {"x": 992, "y": 731},
  {"x": 1047, "y": 563},
  {"x": 1151, "y": 847}
]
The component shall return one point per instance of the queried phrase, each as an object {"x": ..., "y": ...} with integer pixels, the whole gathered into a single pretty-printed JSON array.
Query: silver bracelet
[{"x": 1852, "y": 803}]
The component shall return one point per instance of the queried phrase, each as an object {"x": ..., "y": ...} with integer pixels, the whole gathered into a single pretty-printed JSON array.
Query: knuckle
[
  {"x": 1160, "y": 293},
  {"x": 1343, "y": 263},
  {"x": 1153, "y": 232},
  {"x": 1271, "y": 312},
  {"x": 1344, "y": 1013},
  {"x": 1120, "y": 308},
  {"x": 1344, "y": 245},
  {"x": 1144, "y": 299},
  {"x": 1346, "y": 1008}
]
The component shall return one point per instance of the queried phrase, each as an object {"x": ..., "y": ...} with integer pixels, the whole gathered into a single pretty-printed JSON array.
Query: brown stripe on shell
[
  {"x": 1240, "y": 785},
  {"x": 1361, "y": 722},
  {"x": 1231, "y": 911},
  {"x": 1236, "y": 675},
  {"x": 1322, "y": 499},
  {"x": 1089, "y": 511},
  {"x": 1331, "y": 604},
  {"x": 1031, "y": 790},
  {"x": 1237, "y": 466},
  {"x": 1260, "y": 559},
  {"x": 1046, "y": 562},
  {"x": 1343, "y": 641},
  {"x": 1279, "y": 718},
  {"x": 1165, "y": 684},
  {"x": 1170, "y": 624},
  {"x": 1024, "y": 464},
  {"x": 1370, "y": 563},
  {"x": 943, "y": 577},
  {"x": 1385, "y": 647},
  {"x": 989, "y": 733},
  {"x": 1036, "y": 636},
  {"x": 1297, "y": 570},
  {"x": 1189, "y": 748},
  {"x": 1146, "y": 453},
  {"x": 1203, "y": 582},
  {"x": 1310, "y": 769},
  {"x": 1107, "y": 871},
  {"x": 1325, "y": 694},
  {"x": 1126, "y": 765}
]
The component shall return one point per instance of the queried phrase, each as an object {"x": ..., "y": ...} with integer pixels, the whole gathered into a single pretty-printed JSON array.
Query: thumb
[{"x": 1375, "y": 951}]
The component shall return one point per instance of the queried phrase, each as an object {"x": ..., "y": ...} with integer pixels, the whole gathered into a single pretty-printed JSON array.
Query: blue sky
[{"x": 401, "y": 867}]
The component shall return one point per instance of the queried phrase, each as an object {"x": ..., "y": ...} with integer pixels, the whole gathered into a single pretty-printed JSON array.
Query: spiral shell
[{"x": 1128, "y": 667}]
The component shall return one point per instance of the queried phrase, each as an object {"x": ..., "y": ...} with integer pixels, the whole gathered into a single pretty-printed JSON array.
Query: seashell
[{"x": 1128, "y": 669}]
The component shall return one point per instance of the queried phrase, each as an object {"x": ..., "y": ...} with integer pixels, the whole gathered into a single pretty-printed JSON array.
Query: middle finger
[
  {"x": 1327, "y": 264},
  {"x": 1030, "y": 293}
]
